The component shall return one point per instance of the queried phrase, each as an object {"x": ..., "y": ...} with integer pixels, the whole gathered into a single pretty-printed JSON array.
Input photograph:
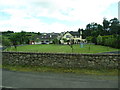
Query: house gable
[
  {"x": 74, "y": 33},
  {"x": 67, "y": 35},
  {"x": 71, "y": 34}
]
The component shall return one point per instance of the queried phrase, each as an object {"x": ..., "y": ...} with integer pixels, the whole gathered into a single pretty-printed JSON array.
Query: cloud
[
  {"x": 53, "y": 15},
  {"x": 4, "y": 16}
]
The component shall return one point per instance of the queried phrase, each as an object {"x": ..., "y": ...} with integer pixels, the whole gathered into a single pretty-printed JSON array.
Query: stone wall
[{"x": 94, "y": 61}]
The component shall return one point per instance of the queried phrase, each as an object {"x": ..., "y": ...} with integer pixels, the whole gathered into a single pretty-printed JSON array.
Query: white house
[{"x": 72, "y": 35}]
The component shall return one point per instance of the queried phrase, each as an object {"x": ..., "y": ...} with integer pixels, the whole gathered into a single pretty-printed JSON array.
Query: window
[{"x": 67, "y": 36}]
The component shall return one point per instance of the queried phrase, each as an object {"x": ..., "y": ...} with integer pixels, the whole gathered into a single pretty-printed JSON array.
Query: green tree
[
  {"x": 99, "y": 39},
  {"x": 38, "y": 33},
  {"x": 114, "y": 21},
  {"x": 7, "y": 33},
  {"x": 89, "y": 39},
  {"x": 93, "y": 30},
  {"x": 55, "y": 41},
  {"x": 88, "y": 26},
  {"x": 79, "y": 31},
  {"x": 5, "y": 41},
  {"x": 106, "y": 24},
  {"x": 23, "y": 37},
  {"x": 115, "y": 26},
  {"x": 15, "y": 39}
]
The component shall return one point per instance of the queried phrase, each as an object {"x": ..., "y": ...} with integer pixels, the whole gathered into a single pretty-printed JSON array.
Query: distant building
[
  {"x": 75, "y": 36},
  {"x": 45, "y": 38}
]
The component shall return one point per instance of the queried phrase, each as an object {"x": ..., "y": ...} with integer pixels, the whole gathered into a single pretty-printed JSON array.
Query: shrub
[
  {"x": 99, "y": 39},
  {"x": 110, "y": 40}
]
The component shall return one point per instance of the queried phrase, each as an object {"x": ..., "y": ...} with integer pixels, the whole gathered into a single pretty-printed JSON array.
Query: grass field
[
  {"x": 63, "y": 48},
  {"x": 110, "y": 72}
]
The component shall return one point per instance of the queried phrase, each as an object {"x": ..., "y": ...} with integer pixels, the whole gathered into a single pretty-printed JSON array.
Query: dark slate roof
[
  {"x": 74, "y": 33},
  {"x": 45, "y": 36}
]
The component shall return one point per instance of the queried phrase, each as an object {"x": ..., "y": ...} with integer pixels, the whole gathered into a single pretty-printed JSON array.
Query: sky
[{"x": 48, "y": 16}]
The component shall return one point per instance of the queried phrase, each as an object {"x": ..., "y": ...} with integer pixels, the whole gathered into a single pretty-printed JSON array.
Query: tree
[
  {"x": 5, "y": 42},
  {"x": 114, "y": 21},
  {"x": 88, "y": 26},
  {"x": 79, "y": 31},
  {"x": 93, "y": 29},
  {"x": 7, "y": 32},
  {"x": 87, "y": 31},
  {"x": 38, "y": 33},
  {"x": 19, "y": 38},
  {"x": 23, "y": 38},
  {"x": 55, "y": 41},
  {"x": 99, "y": 39},
  {"x": 71, "y": 44},
  {"x": 106, "y": 24},
  {"x": 15, "y": 39},
  {"x": 89, "y": 39},
  {"x": 115, "y": 26}
]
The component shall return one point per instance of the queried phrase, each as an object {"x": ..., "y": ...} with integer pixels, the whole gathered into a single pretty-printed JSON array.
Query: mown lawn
[{"x": 63, "y": 48}]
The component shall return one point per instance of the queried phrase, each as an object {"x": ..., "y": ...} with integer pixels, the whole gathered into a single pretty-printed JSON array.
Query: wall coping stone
[{"x": 73, "y": 54}]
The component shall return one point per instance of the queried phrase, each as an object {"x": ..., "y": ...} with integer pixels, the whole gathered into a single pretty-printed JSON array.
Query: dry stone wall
[{"x": 93, "y": 61}]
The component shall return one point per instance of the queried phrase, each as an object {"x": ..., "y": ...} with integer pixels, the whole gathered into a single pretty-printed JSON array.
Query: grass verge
[{"x": 111, "y": 72}]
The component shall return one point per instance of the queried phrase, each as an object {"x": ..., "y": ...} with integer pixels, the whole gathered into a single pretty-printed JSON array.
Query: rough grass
[
  {"x": 63, "y": 48},
  {"x": 113, "y": 72}
]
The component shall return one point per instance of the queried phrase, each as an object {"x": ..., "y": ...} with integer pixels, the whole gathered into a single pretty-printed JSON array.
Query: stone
[{"x": 61, "y": 60}]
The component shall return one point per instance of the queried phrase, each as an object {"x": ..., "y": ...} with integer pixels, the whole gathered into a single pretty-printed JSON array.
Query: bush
[
  {"x": 89, "y": 39},
  {"x": 110, "y": 40},
  {"x": 55, "y": 41},
  {"x": 5, "y": 41},
  {"x": 99, "y": 39}
]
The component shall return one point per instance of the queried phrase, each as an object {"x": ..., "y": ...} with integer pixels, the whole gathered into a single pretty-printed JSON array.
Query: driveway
[{"x": 17, "y": 79}]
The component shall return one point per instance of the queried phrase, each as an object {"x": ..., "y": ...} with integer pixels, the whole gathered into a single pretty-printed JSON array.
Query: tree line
[
  {"x": 107, "y": 34},
  {"x": 10, "y": 38}
]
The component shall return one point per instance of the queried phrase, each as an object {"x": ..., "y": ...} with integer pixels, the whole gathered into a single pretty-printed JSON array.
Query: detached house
[
  {"x": 72, "y": 35},
  {"x": 45, "y": 38}
]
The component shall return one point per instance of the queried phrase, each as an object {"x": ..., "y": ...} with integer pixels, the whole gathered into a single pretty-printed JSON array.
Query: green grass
[
  {"x": 61, "y": 70},
  {"x": 63, "y": 49}
]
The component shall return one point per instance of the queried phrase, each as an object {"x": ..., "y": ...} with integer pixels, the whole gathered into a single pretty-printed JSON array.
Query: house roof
[
  {"x": 74, "y": 33},
  {"x": 45, "y": 36}
]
